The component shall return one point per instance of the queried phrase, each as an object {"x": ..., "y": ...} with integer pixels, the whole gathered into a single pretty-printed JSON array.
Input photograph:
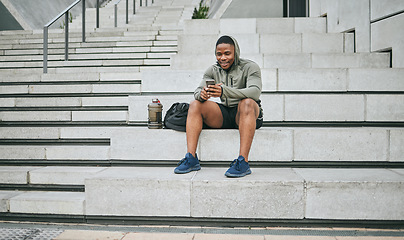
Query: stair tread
[{"x": 82, "y": 112}]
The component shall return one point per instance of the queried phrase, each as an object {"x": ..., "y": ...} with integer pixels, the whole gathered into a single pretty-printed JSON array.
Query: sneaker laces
[
  {"x": 182, "y": 160},
  {"x": 237, "y": 164}
]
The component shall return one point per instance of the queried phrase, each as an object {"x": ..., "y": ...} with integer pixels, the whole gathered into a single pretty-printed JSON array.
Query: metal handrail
[
  {"x": 146, "y": 2},
  {"x": 66, "y": 13},
  {"x": 46, "y": 27},
  {"x": 115, "y": 12}
]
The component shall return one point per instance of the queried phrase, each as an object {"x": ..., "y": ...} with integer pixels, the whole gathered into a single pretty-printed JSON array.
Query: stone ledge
[
  {"x": 270, "y": 144},
  {"x": 286, "y": 193}
]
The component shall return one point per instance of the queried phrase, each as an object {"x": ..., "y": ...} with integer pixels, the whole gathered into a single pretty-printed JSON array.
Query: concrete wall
[
  {"x": 34, "y": 14},
  {"x": 246, "y": 9},
  {"x": 7, "y": 21},
  {"x": 377, "y": 23}
]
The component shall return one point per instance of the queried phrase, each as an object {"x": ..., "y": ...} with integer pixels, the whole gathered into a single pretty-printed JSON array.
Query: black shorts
[{"x": 229, "y": 117}]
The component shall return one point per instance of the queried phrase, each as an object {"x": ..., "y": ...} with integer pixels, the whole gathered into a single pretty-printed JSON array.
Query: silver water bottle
[{"x": 155, "y": 120}]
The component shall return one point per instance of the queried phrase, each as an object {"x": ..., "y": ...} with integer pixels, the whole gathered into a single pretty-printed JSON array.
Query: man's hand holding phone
[{"x": 211, "y": 90}]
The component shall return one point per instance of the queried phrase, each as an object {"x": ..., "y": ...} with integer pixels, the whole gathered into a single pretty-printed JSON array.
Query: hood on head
[{"x": 236, "y": 51}]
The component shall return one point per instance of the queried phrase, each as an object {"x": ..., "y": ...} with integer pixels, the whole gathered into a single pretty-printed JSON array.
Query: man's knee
[
  {"x": 195, "y": 105},
  {"x": 199, "y": 107},
  {"x": 247, "y": 105}
]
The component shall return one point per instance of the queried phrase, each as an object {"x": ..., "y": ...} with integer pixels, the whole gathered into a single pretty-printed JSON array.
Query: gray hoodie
[{"x": 242, "y": 80}]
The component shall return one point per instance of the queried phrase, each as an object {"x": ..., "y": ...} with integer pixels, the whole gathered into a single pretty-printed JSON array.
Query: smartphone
[{"x": 210, "y": 82}]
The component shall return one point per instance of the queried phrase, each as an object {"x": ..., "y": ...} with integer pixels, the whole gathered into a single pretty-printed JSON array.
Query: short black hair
[{"x": 225, "y": 39}]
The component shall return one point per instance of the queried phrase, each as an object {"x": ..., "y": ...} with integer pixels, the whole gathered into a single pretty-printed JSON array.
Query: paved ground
[{"x": 35, "y": 231}]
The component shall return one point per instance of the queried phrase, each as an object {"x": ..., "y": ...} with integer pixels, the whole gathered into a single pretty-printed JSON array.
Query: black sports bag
[{"x": 176, "y": 117}]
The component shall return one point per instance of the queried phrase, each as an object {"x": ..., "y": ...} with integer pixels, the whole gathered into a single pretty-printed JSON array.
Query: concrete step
[
  {"x": 89, "y": 63},
  {"x": 65, "y": 116},
  {"x": 55, "y": 133},
  {"x": 103, "y": 69},
  {"x": 344, "y": 80},
  {"x": 321, "y": 60},
  {"x": 302, "y": 107},
  {"x": 78, "y": 75},
  {"x": 274, "y": 80},
  {"x": 134, "y": 37},
  {"x": 43, "y": 153},
  {"x": 288, "y": 43},
  {"x": 333, "y": 108},
  {"x": 286, "y": 80},
  {"x": 251, "y": 26},
  {"x": 137, "y": 36},
  {"x": 87, "y": 56},
  {"x": 282, "y": 193},
  {"x": 352, "y": 145},
  {"x": 47, "y": 175},
  {"x": 137, "y": 30},
  {"x": 70, "y": 203},
  {"x": 184, "y": 61},
  {"x": 79, "y": 69},
  {"x": 270, "y": 144},
  {"x": 64, "y": 102},
  {"x": 74, "y": 45},
  {"x": 71, "y": 88},
  {"x": 314, "y": 194},
  {"x": 15, "y": 174}
]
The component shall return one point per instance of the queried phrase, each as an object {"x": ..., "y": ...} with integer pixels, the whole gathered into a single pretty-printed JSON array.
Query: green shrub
[{"x": 202, "y": 12}]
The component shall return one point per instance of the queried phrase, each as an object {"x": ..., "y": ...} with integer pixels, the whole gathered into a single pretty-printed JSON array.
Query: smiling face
[{"x": 225, "y": 55}]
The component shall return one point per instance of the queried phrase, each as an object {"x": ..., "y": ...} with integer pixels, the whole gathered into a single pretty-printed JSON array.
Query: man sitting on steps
[{"x": 238, "y": 84}]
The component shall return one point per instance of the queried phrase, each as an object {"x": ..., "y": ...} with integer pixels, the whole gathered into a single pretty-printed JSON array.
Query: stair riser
[
  {"x": 268, "y": 145},
  {"x": 335, "y": 144},
  {"x": 64, "y": 116},
  {"x": 68, "y": 153},
  {"x": 251, "y": 26},
  {"x": 302, "y": 107},
  {"x": 269, "y": 194},
  {"x": 70, "y": 89},
  {"x": 184, "y": 61},
  {"x": 267, "y": 43},
  {"x": 89, "y": 63},
  {"x": 48, "y": 203},
  {"x": 78, "y": 76}
]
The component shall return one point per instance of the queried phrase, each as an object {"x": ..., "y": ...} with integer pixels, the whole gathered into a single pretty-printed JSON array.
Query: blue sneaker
[
  {"x": 238, "y": 168},
  {"x": 188, "y": 164}
]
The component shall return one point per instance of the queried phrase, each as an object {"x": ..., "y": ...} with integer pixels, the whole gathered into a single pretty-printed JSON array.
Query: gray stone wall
[
  {"x": 377, "y": 24},
  {"x": 7, "y": 21},
  {"x": 34, "y": 14},
  {"x": 254, "y": 8},
  {"x": 246, "y": 9}
]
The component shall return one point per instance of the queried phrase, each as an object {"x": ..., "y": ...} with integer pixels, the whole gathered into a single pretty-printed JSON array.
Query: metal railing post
[
  {"x": 307, "y": 8},
  {"x": 116, "y": 15},
  {"x": 127, "y": 11},
  {"x": 141, "y": 1},
  {"x": 134, "y": 7},
  {"x": 83, "y": 21},
  {"x": 98, "y": 14},
  {"x": 46, "y": 33},
  {"x": 146, "y": 2},
  {"x": 67, "y": 36},
  {"x": 45, "y": 50}
]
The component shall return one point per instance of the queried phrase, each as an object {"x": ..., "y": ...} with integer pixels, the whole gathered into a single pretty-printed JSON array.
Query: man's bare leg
[
  {"x": 247, "y": 114},
  {"x": 198, "y": 113}
]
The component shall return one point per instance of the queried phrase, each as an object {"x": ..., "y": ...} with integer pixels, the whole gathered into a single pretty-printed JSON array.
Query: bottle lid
[{"x": 155, "y": 100}]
